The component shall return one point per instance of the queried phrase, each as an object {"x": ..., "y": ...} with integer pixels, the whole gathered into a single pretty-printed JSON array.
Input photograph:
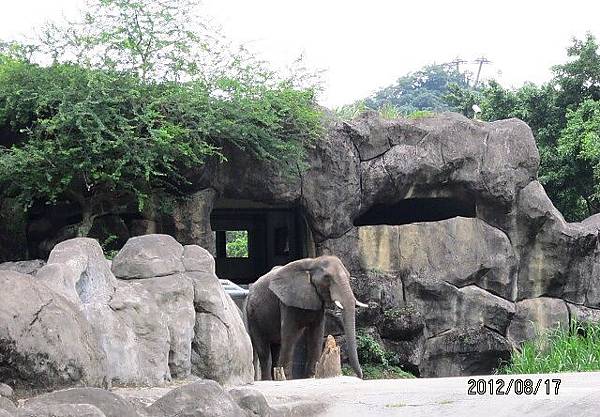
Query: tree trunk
[{"x": 87, "y": 221}]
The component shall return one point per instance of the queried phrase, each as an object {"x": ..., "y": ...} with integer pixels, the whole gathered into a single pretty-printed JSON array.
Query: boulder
[
  {"x": 5, "y": 391},
  {"x": 432, "y": 155},
  {"x": 460, "y": 251},
  {"x": 7, "y": 406},
  {"x": 510, "y": 161},
  {"x": 23, "y": 267},
  {"x": 464, "y": 351},
  {"x": 252, "y": 401},
  {"x": 133, "y": 333},
  {"x": 77, "y": 269},
  {"x": 334, "y": 175},
  {"x": 129, "y": 325},
  {"x": 221, "y": 348},
  {"x": 198, "y": 259},
  {"x": 199, "y": 399},
  {"x": 534, "y": 316},
  {"x": 592, "y": 222},
  {"x": 174, "y": 298},
  {"x": 557, "y": 258},
  {"x": 61, "y": 410},
  {"x": 445, "y": 306},
  {"x": 401, "y": 324},
  {"x": 109, "y": 404},
  {"x": 44, "y": 342},
  {"x": 148, "y": 256},
  {"x": 583, "y": 313}
]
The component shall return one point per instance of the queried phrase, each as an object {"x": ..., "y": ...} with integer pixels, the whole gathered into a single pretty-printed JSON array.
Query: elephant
[{"x": 291, "y": 299}]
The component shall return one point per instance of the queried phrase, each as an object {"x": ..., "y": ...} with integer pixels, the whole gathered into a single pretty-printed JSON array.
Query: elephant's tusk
[
  {"x": 337, "y": 303},
  {"x": 359, "y": 304}
]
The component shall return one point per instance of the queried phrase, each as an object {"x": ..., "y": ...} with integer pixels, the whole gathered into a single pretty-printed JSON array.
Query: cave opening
[{"x": 415, "y": 210}]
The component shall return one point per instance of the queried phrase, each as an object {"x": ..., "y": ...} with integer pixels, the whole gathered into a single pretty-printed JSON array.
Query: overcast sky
[{"x": 364, "y": 45}]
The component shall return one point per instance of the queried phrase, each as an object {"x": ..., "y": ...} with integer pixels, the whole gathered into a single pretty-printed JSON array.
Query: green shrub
[
  {"x": 379, "y": 372},
  {"x": 369, "y": 350},
  {"x": 375, "y": 360},
  {"x": 576, "y": 349}
]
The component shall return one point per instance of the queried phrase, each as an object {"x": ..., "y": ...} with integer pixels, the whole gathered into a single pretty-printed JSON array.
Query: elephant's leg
[
  {"x": 275, "y": 350},
  {"x": 263, "y": 352},
  {"x": 264, "y": 358},
  {"x": 290, "y": 333},
  {"x": 314, "y": 346}
]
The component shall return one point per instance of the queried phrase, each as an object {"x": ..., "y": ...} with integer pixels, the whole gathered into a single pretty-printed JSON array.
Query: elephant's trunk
[{"x": 350, "y": 331}]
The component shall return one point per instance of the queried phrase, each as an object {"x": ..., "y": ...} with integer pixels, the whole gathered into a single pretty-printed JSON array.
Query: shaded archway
[{"x": 415, "y": 210}]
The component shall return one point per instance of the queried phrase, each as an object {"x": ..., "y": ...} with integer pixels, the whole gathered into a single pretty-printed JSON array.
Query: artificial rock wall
[{"x": 443, "y": 223}]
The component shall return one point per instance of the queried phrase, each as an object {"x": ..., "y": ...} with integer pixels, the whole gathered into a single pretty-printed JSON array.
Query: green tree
[
  {"x": 580, "y": 142},
  {"x": 157, "y": 39},
  {"x": 129, "y": 109},
  {"x": 95, "y": 136},
  {"x": 552, "y": 111},
  {"x": 424, "y": 89}
]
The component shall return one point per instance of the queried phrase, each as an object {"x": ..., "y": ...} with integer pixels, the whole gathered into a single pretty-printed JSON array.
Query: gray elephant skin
[{"x": 290, "y": 300}]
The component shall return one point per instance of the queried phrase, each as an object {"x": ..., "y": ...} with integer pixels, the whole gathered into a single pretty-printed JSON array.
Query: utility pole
[
  {"x": 480, "y": 61},
  {"x": 457, "y": 61}
]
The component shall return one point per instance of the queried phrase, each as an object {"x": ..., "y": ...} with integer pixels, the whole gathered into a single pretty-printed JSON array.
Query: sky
[{"x": 365, "y": 45}]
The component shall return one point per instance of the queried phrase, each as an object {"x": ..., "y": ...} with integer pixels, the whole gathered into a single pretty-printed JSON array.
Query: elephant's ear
[{"x": 294, "y": 289}]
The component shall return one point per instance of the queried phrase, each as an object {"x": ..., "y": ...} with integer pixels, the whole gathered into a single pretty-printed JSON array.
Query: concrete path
[{"x": 578, "y": 396}]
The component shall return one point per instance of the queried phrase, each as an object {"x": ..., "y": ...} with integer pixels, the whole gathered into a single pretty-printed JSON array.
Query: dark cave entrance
[
  {"x": 252, "y": 238},
  {"x": 414, "y": 210}
]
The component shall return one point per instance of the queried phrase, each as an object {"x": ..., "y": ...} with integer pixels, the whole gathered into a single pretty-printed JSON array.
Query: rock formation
[
  {"x": 446, "y": 230},
  {"x": 441, "y": 220},
  {"x": 200, "y": 397},
  {"x": 75, "y": 322}
]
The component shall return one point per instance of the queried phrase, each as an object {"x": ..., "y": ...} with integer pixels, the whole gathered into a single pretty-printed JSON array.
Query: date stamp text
[{"x": 516, "y": 386}]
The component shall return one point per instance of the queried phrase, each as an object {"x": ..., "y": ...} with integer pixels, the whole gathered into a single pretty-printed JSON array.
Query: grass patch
[
  {"x": 371, "y": 371},
  {"x": 420, "y": 114},
  {"x": 576, "y": 349}
]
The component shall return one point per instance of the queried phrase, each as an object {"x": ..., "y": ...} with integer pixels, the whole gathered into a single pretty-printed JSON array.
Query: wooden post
[
  {"x": 330, "y": 364},
  {"x": 278, "y": 373}
]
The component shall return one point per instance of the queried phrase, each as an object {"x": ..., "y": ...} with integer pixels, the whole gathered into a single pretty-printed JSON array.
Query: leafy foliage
[
  {"x": 576, "y": 349},
  {"x": 379, "y": 372},
  {"x": 375, "y": 360},
  {"x": 131, "y": 107},
  {"x": 236, "y": 245},
  {"x": 558, "y": 113},
  {"x": 156, "y": 39},
  {"x": 369, "y": 350},
  {"x": 424, "y": 89}
]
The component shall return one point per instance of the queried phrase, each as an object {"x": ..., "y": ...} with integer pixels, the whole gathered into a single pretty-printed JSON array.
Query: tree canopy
[
  {"x": 424, "y": 89},
  {"x": 133, "y": 100},
  {"x": 564, "y": 117}
]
